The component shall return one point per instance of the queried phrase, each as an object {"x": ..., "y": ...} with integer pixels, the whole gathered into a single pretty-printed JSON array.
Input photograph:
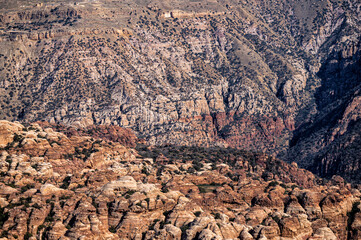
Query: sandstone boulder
[
  {"x": 324, "y": 233},
  {"x": 7, "y": 131},
  {"x": 122, "y": 184},
  {"x": 50, "y": 189}
]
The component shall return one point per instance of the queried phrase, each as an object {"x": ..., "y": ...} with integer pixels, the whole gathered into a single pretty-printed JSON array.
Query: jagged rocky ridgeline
[{"x": 58, "y": 183}]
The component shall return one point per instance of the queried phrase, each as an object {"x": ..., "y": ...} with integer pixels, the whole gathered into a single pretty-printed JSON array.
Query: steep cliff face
[
  {"x": 197, "y": 78},
  {"x": 327, "y": 144},
  {"x": 256, "y": 75}
]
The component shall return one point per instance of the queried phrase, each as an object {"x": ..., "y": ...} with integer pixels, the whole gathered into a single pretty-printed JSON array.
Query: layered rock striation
[{"x": 280, "y": 77}]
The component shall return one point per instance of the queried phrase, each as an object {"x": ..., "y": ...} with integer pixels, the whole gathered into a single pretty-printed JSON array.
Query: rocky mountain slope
[
  {"x": 280, "y": 77},
  {"x": 57, "y": 183}
]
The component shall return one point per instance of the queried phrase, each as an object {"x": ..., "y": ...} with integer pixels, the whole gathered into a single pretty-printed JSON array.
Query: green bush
[
  {"x": 112, "y": 229},
  {"x": 4, "y": 216},
  {"x": 18, "y": 138},
  {"x": 198, "y": 213},
  {"x": 217, "y": 215},
  {"x": 27, "y": 236},
  {"x": 41, "y": 227}
]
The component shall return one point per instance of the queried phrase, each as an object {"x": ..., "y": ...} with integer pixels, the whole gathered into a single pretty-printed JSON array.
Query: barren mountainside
[
  {"x": 280, "y": 77},
  {"x": 176, "y": 119}
]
